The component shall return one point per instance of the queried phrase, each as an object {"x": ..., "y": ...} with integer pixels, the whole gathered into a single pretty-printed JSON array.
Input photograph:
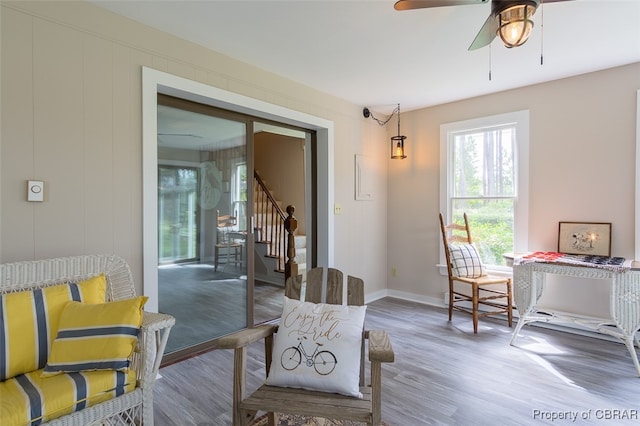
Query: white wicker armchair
[{"x": 133, "y": 408}]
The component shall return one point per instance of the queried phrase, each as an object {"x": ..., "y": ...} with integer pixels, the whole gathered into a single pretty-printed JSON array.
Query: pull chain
[
  {"x": 541, "y": 32},
  {"x": 489, "y": 62}
]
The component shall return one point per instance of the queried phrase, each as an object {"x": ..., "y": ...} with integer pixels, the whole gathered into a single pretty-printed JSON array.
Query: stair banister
[
  {"x": 290, "y": 225},
  {"x": 270, "y": 219}
]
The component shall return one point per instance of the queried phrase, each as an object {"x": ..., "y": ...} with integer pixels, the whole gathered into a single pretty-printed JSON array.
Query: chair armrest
[
  {"x": 380, "y": 348},
  {"x": 245, "y": 337},
  {"x": 153, "y": 321},
  {"x": 152, "y": 340}
]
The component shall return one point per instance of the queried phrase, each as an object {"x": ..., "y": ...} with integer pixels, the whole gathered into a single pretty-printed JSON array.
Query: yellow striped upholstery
[
  {"x": 28, "y": 399},
  {"x": 96, "y": 336},
  {"x": 29, "y": 322}
]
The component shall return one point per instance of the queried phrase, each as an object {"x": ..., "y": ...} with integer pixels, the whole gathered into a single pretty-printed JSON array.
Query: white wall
[
  {"x": 582, "y": 168},
  {"x": 72, "y": 116}
]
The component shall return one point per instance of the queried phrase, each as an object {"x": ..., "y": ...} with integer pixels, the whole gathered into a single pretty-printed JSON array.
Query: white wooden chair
[{"x": 304, "y": 402}]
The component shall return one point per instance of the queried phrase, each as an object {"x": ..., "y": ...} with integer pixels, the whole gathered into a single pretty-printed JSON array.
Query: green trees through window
[{"x": 483, "y": 184}]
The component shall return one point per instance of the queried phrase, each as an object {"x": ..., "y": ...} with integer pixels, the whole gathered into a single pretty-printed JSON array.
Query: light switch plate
[{"x": 35, "y": 190}]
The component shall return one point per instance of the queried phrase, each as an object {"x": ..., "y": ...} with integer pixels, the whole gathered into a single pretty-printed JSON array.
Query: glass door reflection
[{"x": 202, "y": 223}]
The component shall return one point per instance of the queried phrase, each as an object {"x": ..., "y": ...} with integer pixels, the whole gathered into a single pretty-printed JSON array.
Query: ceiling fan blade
[
  {"x": 421, "y": 4},
  {"x": 487, "y": 33}
]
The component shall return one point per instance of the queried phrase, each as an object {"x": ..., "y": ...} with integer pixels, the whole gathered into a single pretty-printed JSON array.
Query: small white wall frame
[{"x": 363, "y": 178}]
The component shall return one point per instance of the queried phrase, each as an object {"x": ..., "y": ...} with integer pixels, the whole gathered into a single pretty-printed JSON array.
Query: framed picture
[{"x": 584, "y": 238}]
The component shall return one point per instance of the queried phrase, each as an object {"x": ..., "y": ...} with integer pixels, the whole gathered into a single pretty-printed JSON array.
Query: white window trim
[{"x": 521, "y": 207}]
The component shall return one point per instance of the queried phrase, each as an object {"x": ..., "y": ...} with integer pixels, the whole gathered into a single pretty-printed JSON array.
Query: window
[
  {"x": 177, "y": 213},
  {"x": 239, "y": 181},
  {"x": 484, "y": 173}
]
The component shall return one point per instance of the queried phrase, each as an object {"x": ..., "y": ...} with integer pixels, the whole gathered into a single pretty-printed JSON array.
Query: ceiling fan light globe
[
  {"x": 515, "y": 34},
  {"x": 515, "y": 24}
]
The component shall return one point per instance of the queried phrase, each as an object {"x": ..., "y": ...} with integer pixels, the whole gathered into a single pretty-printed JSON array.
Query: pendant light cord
[{"x": 383, "y": 122}]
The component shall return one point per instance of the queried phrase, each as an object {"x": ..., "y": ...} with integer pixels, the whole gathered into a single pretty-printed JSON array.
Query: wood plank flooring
[
  {"x": 208, "y": 304},
  {"x": 444, "y": 375}
]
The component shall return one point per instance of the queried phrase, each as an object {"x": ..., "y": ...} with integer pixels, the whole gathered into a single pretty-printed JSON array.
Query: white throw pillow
[
  {"x": 465, "y": 261},
  {"x": 317, "y": 347}
]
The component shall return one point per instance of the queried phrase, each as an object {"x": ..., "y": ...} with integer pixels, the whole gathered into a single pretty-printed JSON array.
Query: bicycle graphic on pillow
[{"x": 322, "y": 361}]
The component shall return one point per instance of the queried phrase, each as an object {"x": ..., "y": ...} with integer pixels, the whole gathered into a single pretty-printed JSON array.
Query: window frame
[
  {"x": 240, "y": 206},
  {"x": 521, "y": 163}
]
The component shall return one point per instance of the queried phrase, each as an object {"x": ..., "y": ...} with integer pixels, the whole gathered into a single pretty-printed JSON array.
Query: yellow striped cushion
[
  {"x": 29, "y": 322},
  {"x": 29, "y": 399},
  {"x": 96, "y": 337}
]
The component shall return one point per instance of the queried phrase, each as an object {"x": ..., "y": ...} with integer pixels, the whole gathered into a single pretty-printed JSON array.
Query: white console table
[{"x": 624, "y": 300}]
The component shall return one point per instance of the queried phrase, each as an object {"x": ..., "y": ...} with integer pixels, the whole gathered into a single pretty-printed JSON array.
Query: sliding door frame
[{"x": 155, "y": 82}]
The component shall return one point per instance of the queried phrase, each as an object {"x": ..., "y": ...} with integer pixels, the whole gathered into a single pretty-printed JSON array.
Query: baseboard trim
[{"x": 411, "y": 297}]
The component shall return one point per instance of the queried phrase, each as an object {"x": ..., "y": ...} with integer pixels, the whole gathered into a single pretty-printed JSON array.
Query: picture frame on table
[{"x": 588, "y": 238}]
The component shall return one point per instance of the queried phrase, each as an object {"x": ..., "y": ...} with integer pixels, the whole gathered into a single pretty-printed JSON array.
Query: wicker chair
[
  {"x": 304, "y": 402},
  {"x": 133, "y": 408},
  {"x": 483, "y": 287}
]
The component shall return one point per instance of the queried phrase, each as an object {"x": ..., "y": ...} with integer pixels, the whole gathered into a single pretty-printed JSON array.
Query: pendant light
[{"x": 397, "y": 142}]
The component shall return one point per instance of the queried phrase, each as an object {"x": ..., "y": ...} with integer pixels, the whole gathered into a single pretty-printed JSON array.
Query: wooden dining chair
[
  {"x": 226, "y": 246},
  {"x": 464, "y": 267}
]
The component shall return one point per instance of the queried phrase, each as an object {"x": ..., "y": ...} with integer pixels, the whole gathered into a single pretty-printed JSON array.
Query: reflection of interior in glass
[
  {"x": 213, "y": 150},
  {"x": 205, "y": 237},
  {"x": 202, "y": 223}
]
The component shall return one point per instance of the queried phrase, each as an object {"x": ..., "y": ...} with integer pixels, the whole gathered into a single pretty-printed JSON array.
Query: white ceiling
[{"x": 367, "y": 53}]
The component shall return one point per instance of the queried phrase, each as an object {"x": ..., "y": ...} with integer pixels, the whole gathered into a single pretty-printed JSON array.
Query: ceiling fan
[{"x": 510, "y": 19}]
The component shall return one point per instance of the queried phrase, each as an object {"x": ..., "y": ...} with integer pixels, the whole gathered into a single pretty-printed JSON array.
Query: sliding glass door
[
  {"x": 221, "y": 248},
  {"x": 203, "y": 238}
]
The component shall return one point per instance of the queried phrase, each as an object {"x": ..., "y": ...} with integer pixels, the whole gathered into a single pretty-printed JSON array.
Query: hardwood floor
[
  {"x": 445, "y": 375},
  {"x": 208, "y": 304}
]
